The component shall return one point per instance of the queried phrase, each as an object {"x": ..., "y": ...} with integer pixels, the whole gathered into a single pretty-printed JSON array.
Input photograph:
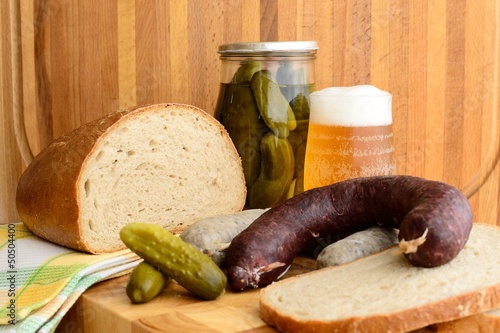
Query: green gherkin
[
  {"x": 242, "y": 121},
  {"x": 298, "y": 138},
  {"x": 273, "y": 106},
  {"x": 245, "y": 72},
  {"x": 255, "y": 104},
  {"x": 300, "y": 107},
  {"x": 276, "y": 172},
  {"x": 191, "y": 268},
  {"x": 145, "y": 282}
]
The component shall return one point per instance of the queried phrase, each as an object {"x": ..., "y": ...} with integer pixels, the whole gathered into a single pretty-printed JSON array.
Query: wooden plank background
[{"x": 64, "y": 63}]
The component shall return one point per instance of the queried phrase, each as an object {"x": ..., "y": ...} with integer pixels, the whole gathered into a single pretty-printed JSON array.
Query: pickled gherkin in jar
[
  {"x": 242, "y": 121},
  {"x": 245, "y": 72},
  {"x": 274, "y": 109},
  {"x": 276, "y": 172},
  {"x": 263, "y": 104},
  {"x": 239, "y": 113},
  {"x": 298, "y": 138}
]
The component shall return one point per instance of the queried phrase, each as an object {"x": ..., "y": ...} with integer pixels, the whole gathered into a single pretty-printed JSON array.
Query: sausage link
[{"x": 434, "y": 221}]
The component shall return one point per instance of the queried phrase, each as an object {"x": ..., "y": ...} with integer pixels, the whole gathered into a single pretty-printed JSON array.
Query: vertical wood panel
[
  {"x": 339, "y": 45},
  {"x": 212, "y": 64},
  {"x": 10, "y": 159},
  {"x": 380, "y": 48},
  {"x": 151, "y": 53},
  {"x": 489, "y": 194},
  {"x": 473, "y": 102},
  {"x": 454, "y": 87},
  {"x": 250, "y": 26},
  {"x": 439, "y": 59},
  {"x": 417, "y": 88},
  {"x": 328, "y": 50},
  {"x": 58, "y": 51},
  {"x": 28, "y": 28},
  {"x": 269, "y": 20},
  {"x": 43, "y": 92},
  {"x": 306, "y": 10},
  {"x": 398, "y": 76},
  {"x": 230, "y": 18},
  {"x": 361, "y": 42},
  {"x": 198, "y": 80},
  {"x": 434, "y": 116},
  {"x": 178, "y": 46},
  {"x": 127, "y": 84},
  {"x": 287, "y": 20}
]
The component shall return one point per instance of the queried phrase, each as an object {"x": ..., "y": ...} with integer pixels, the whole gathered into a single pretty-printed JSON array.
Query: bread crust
[
  {"x": 404, "y": 321},
  {"x": 481, "y": 323},
  {"x": 47, "y": 192},
  {"x": 47, "y": 196}
]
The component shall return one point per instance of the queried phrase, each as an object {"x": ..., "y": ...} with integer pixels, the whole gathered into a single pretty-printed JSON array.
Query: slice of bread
[
  {"x": 487, "y": 322},
  {"x": 168, "y": 164},
  {"x": 385, "y": 293}
]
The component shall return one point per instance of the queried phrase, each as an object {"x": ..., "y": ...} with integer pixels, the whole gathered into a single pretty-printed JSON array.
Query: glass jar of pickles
[{"x": 264, "y": 105}]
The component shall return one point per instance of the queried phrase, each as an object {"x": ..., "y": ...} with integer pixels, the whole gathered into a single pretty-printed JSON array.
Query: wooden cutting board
[{"x": 106, "y": 308}]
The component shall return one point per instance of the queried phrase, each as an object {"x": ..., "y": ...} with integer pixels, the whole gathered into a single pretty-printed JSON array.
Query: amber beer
[{"x": 350, "y": 135}]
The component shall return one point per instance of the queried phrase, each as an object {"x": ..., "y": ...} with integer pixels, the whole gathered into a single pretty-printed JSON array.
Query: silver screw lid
[{"x": 281, "y": 48}]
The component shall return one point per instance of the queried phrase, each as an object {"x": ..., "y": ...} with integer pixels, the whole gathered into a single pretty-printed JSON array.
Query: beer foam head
[{"x": 361, "y": 106}]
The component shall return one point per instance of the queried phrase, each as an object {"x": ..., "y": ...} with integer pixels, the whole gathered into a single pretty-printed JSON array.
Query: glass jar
[{"x": 264, "y": 105}]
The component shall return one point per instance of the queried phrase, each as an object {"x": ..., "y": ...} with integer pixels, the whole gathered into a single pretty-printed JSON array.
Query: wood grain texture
[
  {"x": 106, "y": 308},
  {"x": 11, "y": 132},
  {"x": 439, "y": 59}
]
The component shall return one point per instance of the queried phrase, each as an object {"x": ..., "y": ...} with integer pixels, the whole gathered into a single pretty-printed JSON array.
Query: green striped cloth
[{"x": 40, "y": 281}]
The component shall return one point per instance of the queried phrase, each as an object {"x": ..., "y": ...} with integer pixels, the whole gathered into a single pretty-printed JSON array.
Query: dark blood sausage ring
[{"x": 434, "y": 221}]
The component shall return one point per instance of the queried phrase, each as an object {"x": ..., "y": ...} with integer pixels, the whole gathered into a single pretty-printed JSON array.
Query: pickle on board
[
  {"x": 191, "y": 268},
  {"x": 273, "y": 106},
  {"x": 276, "y": 174},
  {"x": 145, "y": 282}
]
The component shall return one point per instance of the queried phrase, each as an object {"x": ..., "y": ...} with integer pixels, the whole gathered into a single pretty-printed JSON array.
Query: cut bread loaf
[
  {"x": 384, "y": 293},
  {"x": 168, "y": 164}
]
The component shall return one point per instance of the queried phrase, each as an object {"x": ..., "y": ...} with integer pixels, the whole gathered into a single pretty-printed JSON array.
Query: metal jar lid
[{"x": 281, "y": 49}]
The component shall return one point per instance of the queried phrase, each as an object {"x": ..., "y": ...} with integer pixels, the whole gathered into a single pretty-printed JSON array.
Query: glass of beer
[{"x": 349, "y": 136}]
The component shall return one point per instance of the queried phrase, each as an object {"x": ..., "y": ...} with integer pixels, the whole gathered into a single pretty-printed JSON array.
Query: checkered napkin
[{"x": 40, "y": 281}]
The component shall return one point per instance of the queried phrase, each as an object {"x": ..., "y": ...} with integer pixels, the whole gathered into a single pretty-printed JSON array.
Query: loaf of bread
[
  {"x": 168, "y": 164},
  {"x": 384, "y": 293}
]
